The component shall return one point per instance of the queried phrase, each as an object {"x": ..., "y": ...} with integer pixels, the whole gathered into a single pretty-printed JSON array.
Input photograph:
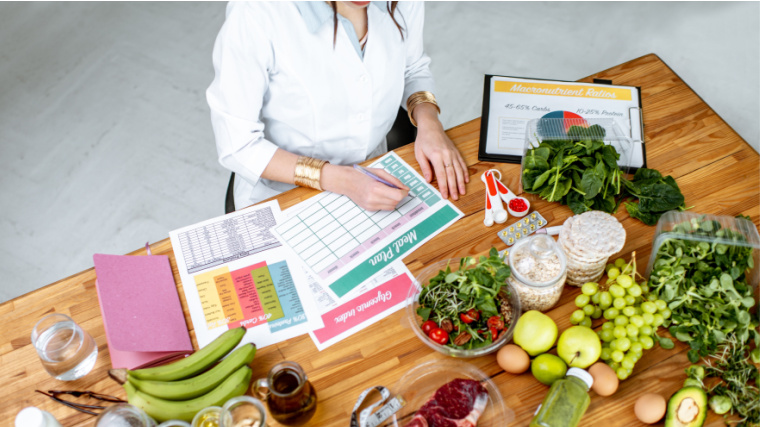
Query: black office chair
[
  {"x": 229, "y": 201},
  {"x": 402, "y": 132}
]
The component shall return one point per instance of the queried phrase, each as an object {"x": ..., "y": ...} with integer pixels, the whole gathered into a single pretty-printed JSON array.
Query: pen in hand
[{"x": 375, "y": 177}]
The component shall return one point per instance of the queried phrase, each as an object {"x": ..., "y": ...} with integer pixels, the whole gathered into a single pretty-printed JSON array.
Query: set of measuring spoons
[{"x": 496, "y": 192}]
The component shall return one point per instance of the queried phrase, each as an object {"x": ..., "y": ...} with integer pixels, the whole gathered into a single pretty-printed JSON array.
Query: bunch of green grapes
[{"x": 633, "y": 315}]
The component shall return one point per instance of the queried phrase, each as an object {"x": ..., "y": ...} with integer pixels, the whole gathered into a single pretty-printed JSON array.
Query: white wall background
[{"x": 105, "y": 141}]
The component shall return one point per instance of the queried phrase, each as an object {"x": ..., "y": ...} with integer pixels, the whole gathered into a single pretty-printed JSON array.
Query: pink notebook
[{"x": 141, "y": 311}]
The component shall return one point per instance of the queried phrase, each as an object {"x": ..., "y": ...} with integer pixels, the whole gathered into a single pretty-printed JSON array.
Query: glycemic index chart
[{"x": 344, "y": 244}]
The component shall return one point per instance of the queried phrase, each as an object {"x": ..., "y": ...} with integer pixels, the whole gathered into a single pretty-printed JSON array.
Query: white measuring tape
[{"x": 366, "y": 418}]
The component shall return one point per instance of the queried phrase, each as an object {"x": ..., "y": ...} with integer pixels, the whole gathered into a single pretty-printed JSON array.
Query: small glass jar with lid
[
  {"x": 207, "y": 417},
  {"x": 539, "y": 270}
]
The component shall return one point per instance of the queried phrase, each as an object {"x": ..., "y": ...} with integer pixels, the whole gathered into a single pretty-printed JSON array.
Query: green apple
[
  {"x": 535, "y": 332},
  {"x": 548, "y": 368},
  {"x": 579, "y": 346}
]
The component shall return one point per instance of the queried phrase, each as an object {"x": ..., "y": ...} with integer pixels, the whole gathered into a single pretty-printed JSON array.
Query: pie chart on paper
[
  {"x": 571, "y": 119},
  {"x": 549, "y": 126}
]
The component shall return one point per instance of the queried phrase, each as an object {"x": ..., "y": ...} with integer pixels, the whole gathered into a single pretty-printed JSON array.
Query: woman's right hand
[{"x": 366, "y": 192}]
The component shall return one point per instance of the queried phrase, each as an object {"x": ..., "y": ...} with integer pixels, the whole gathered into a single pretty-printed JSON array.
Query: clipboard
[{"x": 509, "y": 103}]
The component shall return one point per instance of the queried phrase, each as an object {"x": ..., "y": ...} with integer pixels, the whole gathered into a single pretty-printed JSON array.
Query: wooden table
[{"x": 716, "y": 170}]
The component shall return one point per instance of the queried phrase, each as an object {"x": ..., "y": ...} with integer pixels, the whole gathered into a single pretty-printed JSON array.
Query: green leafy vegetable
[
  {"x": 666, "y": 343},
  {"x": 737, "y": 389},
  {"x": 581, "y": 172},
  {"x": 656, "y": 194},
  {"x": 704, "y": 282}
]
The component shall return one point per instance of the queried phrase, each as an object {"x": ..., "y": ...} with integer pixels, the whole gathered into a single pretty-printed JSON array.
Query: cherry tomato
[
  {"x": 465, "y": 318},
  {"x": 494, "y": 333},
  {"x": 495, "y": 322},
  {"x": 471, "y": 316},
  {"x": 439, "y": 335},
  {"x": 428, "y": 326}
]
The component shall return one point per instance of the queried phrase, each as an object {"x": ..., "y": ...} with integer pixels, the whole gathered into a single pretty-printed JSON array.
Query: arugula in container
[{"x": 468, "y": 304}]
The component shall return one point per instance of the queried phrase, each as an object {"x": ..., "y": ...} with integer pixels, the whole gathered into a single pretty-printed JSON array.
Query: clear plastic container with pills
[{"x": 539, "y": 270}]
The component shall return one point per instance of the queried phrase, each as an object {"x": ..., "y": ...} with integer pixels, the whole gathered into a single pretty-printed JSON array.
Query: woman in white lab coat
[{"x": 300, "y": 84}]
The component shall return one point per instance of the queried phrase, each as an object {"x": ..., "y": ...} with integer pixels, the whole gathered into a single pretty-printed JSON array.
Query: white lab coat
[{"x": 279, "y": 83}]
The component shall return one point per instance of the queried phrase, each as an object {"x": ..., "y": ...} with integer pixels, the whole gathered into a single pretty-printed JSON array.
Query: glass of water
[{"x": 66, "y": 351}]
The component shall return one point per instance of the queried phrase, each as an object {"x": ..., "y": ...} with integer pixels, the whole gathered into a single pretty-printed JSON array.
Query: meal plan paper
[
  {"x": 235, "y": 273},
  {"x": 375, "y": 298},
  {"x": 513, "y": 102},
  {"x": 343, "y": 245}
]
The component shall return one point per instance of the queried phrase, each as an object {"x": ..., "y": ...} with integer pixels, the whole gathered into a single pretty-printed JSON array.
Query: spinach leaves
[
  {"x": 704, "y": 282},
  {"x": 656, "y": 194},
  {"x": 582, "y": 173}
]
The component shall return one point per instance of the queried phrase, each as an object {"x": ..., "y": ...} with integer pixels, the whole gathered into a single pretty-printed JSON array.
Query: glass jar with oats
[{"x": 539, "y": 270}]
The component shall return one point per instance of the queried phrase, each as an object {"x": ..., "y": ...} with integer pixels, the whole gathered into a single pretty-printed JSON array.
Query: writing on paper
[{"x": 381, "y": 297}]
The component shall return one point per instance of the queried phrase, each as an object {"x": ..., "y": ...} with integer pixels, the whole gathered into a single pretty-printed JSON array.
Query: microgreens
[{"x": 702, "y": 277}]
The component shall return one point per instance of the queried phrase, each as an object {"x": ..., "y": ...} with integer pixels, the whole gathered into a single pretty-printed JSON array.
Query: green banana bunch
[
  {"x": 200, "y": 384},
  {"x": 163, "y": 410},
  {"x": 196, "y": 362}
]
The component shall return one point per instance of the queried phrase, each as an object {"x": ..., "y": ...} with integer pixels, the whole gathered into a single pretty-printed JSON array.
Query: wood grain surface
[{"x": 716, "y": 170}]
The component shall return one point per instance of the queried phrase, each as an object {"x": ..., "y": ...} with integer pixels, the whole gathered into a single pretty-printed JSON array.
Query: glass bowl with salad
[{"x": 464, "y": 307}]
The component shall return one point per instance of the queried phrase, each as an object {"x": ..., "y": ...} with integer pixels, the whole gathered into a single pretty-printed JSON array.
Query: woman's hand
[
  {"x": 366, "y": 192},
  {"x": 436, "y": 153}
]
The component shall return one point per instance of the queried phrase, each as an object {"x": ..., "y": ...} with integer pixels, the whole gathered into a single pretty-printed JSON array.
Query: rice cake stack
[{"x": 589, "y": 239}]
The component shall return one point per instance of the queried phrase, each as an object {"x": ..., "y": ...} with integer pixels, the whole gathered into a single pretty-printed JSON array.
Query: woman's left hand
[{"x": 436, "y": 153}]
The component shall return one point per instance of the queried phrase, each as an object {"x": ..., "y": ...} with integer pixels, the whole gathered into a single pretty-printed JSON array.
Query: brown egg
[
  {"x": 650, "y": 408},
  {"x": 605, "y": 380},
  {"x": 513, "y": 359}
]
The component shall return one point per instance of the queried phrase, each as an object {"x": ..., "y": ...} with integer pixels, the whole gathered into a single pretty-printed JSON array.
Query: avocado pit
[{"x": 687, "y": 410}]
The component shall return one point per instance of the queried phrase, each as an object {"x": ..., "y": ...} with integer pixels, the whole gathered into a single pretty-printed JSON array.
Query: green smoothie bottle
[{"x": 566, "y": 401}]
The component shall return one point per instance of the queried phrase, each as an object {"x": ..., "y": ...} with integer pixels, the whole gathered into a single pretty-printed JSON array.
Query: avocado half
[{"x": 687, "y": 408}]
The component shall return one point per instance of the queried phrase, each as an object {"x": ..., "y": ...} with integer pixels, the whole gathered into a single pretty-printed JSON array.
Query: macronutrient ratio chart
[{"x": 344, "y": 245}]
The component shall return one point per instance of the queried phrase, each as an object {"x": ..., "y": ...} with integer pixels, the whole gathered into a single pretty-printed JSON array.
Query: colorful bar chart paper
[{"x": 250, "y": 296}]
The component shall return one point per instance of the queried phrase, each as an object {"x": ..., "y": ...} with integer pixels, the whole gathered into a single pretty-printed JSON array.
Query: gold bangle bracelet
[
  {"x": 308, "y": 172},
  {"x": 418, "y": 98}
]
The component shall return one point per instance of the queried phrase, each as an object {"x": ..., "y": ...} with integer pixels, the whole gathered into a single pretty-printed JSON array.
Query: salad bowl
[{"x": 450, "y": 305}]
